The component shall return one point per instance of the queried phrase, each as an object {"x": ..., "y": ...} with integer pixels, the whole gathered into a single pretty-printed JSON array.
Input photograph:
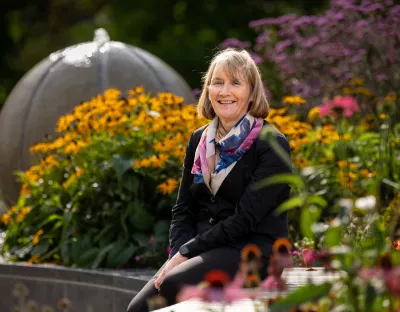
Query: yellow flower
[
  {"x": 391, "y": 97},
  {"x": 356, "y": 81},
  {"x": 69, "y": 181},
  {"x": 366, "y": 173},
  {"x": 21, "y": 215},
  {"x": 64, "y": 122},
  {"x": 79, "y": 171},
  {"x": 296, "y": 100},
  {"x": 168, "y": 186},
  {"x": 159, "y": 161},
  {"x": 5, "y": 218},
  {"x": 362, "y": 90},
  {"x": 34, "y": 259},
  {"x": 347, "y": 91},
  {"x": 25, "y": 190},
  {"x": 112, "y": 94},
  {"x": 313, "y": 114},
  {"x": 35, "y": 239}
]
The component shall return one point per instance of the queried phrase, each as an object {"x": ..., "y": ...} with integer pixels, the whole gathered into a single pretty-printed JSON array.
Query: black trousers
[{"x": 191, "y": 272}]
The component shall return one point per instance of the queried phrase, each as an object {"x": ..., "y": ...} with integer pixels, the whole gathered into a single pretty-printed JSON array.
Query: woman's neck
[{"x": 227, "y": 125}]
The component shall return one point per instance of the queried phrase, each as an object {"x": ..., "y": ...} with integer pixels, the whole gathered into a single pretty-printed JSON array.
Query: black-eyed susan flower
[
  {"x": 251, "y": 252},
  {"x": 282, "y": 245}
]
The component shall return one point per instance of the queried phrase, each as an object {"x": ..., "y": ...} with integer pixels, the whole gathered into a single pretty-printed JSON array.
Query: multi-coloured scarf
[{"x": 206, "y": 169}]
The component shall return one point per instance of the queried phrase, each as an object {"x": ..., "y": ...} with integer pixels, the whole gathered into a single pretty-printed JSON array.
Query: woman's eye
[
  {"x": 217, "y": 82},
  {"x": 236, "y": 82}
]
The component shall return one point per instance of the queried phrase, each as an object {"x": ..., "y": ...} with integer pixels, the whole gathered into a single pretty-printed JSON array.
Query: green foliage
[{"x": 103, "y": 191}]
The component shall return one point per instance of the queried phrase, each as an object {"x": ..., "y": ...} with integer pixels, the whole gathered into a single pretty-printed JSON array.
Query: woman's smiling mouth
[{"x": 226, "y": 102}]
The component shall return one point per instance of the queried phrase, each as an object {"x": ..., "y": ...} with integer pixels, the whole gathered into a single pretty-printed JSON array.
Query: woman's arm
[
  {"x": 183, "y": 224},
  {"x": 253, "y": 206}
]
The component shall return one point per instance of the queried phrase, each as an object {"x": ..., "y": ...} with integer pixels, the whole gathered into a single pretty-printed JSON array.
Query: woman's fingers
[{"x": 158, "y": 281}]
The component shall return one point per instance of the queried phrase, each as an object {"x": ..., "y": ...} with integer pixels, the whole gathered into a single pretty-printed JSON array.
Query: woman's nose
[{"x": 225, "y": 90}]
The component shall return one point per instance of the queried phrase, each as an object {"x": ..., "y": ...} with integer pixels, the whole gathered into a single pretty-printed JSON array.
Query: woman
[{"x": 217, "y": 211}]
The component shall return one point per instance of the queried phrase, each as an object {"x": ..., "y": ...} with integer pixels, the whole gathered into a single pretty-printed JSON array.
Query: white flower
[
  {"x": 154, "y": 114},
  {"x": 366, "y": 203},
  {"x": 346, "y": 203},
  {"x": 319, "y": 227}
]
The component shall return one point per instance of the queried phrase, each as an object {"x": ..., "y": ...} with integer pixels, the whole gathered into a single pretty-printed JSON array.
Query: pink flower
[
  {"x": 393, "y": 282},
  {"x": 308, "y": 256},
  {"x": 191, "y": 292},
  {"x": 391, "y": 277},
  {"x": 272, "y": 283},
  {"x": 230, "y": 293},
  {"x": 169, "y": 250},
  {"x": 345, "y": 105}
]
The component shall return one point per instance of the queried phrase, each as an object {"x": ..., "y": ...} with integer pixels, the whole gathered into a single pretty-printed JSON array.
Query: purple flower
[
  {"x": 234, "y": 43},
  {"x": 381, "y": 77},
  {"x": 281, "y": 46}
]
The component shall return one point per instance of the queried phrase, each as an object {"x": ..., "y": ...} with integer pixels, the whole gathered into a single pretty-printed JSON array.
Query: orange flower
[
  {"x": 251, "y": 252},
  {"x": 396, "y": 245},
  {"x": 282, "y": 245}
]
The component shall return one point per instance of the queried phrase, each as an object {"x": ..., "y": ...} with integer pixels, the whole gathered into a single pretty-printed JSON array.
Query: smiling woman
[{"x": 218, "y": 211}]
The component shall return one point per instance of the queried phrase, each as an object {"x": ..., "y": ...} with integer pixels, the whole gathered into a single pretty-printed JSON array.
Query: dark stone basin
[{"x": 48, "y": 286}]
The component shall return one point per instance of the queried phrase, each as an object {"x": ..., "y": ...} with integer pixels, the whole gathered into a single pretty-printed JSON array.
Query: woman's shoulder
[
  {"x": 271, "y": 130},
  {"x": 196, "y": 134}
]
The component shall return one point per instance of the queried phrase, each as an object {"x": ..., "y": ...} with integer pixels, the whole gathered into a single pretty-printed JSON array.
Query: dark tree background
[{"x": 184, "y": 33}]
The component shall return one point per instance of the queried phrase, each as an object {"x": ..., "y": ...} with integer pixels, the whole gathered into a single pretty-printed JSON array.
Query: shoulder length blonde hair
[{"x": 238, "y": 64}]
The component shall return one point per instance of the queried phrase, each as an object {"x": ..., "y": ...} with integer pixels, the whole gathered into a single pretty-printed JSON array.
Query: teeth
[{"x": 226, "y": 102}]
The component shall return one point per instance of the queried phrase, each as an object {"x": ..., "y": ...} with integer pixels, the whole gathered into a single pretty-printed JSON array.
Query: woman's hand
[{"x": 175, "y": 260}]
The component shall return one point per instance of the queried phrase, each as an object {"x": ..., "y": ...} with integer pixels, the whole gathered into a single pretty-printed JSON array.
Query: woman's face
[{"x": 230, "y": 97}]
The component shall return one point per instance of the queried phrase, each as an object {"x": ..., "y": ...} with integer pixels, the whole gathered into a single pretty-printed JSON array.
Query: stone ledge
[{"x": 87, "y": 290}]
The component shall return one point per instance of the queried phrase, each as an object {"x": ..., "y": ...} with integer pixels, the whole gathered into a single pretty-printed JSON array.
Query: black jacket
[{"x": 237, "y": 215}]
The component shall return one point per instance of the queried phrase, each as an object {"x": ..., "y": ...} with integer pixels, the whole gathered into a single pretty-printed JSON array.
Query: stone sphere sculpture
[{"x": 64, "y": 80}]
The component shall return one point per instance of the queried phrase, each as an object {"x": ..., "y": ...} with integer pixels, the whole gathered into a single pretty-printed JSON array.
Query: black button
[
  {"x": 212, "y": 199},
  {"x": 211, "y": 221}
]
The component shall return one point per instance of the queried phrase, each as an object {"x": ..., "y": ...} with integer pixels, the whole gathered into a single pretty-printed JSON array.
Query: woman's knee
[{"x": 170, "y": 288}]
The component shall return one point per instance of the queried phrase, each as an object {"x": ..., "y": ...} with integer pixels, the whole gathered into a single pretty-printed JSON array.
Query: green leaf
[
  {"x": 395, "y": 257},
  {"x": 308, "y": 216},
  {"x": 121, "y": 165},
  {"x": 131, "y": 182},
  {"x": 41, "y": 248},
  {"x": 370, "y": 296},
  {"x": 101, "y": 255},
  {"x": 317, "y": 200},
  {"x": 88, "y": 256},
  {"x": 50, "y": 218},
  {"x": 161, "y": 228},
  {"x": 333, "y": 236},
  {"x": 103, "y": 232},
  {"x": 288, "y": 178},
  {"x": 300, "y": 296},
  {"x": 291, "y": 203},
  {"x": 124, "y": 256},
  {"x": 141, "y": 219},
  {"x": 269, "y": 133},
  {"x": 391, "y": 183}
]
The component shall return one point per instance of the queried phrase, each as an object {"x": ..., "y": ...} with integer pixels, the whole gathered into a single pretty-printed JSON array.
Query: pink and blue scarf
[{"x": 231, "y": 148}]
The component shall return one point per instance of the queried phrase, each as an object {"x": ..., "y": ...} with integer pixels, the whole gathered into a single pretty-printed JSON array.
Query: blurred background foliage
[{"x": 183, "y": 33}]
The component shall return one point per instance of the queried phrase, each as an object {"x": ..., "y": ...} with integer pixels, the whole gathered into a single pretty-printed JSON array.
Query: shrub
[{"x": 103, "y": 190}]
